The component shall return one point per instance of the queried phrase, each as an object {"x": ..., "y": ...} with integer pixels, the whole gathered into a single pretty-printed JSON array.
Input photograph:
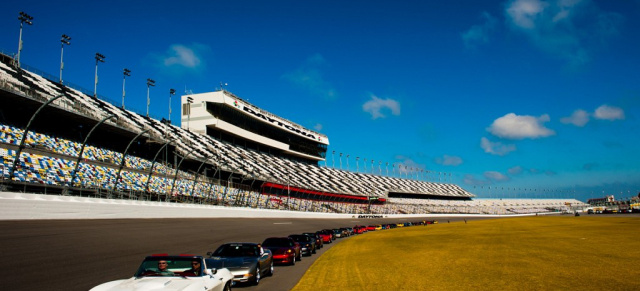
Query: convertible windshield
[
  {"x": 170, "y": 266},
  {"x": 236, "y": 250}
]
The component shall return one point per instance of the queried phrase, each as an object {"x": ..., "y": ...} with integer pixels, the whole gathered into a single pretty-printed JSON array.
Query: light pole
[
  {"x": 99, "y": 59},
  {"x": 150, "y": 83},
  {"x": 340, "y": 161},
  {"x": 348, "y": 169},
  {"x": 171, "y": 93},
  {"x": 357, "y": 165},
  {"x": 65, "y": 39},
  {"x": 125, "y": 73},
  {"x": 333, "y": 159},
  {"x": 24, "y": 18}
]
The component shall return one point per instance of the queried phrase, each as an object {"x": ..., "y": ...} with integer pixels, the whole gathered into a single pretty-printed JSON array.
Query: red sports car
[
  {"x": 327, "y": 236},
  {"x": 359, "y": 229},
  {"x": 284, "y": 249}
]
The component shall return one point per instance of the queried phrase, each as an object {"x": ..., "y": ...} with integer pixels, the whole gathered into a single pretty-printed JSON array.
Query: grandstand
[
  {"x": 226, "y": 151},
  {"x": 228, "y": 117}
]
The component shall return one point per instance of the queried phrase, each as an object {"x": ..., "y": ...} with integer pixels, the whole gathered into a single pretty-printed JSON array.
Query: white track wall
[{"x": 21, "y": 206}]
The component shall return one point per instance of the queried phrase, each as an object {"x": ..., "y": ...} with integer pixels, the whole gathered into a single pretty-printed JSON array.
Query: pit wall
[{"x": 22, "y": 206}]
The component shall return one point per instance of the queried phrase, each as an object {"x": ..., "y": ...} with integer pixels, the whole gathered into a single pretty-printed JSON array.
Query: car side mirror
[
  {"x": 209, "y": 253},
  {"x": 211, "y": 271}
]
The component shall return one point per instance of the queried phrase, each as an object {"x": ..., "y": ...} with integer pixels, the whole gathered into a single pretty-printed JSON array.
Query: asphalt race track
[{"x": 79, "y": 254}]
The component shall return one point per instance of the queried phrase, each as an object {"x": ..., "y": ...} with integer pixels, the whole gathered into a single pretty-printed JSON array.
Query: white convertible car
[{"x": 163, "y": 272}]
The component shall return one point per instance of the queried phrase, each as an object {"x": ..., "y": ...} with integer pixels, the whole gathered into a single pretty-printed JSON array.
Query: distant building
[{"x": 601, "y": 201}]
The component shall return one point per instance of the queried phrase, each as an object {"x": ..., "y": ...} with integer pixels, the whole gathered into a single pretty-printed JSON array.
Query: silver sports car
[{"x": 247, "y": 261}]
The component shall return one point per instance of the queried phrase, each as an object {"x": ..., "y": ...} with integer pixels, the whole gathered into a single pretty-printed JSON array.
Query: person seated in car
[
  {"x": 260, "y": 250},
  {"x": 195, "y": 270},
  {"x": 163, "y": 268}
]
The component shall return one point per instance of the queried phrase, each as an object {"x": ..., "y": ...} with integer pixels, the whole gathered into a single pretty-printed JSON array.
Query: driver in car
[{"x": 163, "y": 269}]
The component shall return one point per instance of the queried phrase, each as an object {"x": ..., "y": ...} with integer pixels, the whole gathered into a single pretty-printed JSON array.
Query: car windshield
[
  {"x": 170, "y": 266},
  {"x": 236, "y": 250},
  {"x": 300, "y": 238},
  {"x": 277, "y": 242}
]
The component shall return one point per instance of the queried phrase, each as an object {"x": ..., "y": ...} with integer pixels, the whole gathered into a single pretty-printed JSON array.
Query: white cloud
[
  {"x": 479, "y": 34},
  {"x": 578, "y": 118},
  {"x": 496, "y": 148},
  {"x": 180, "y": 59},
  {"x": 448, "y": 160},
  {"x": 524, "y": 13},
  {"x": 317, "y": 127},
  {"x": 471, "y": 180},
  {"x": 512, "y": 126},
  {"x": 581, "y": 118},
  {"x": 607, "y": 112},
  {"x": 495, "y": 176},
  {"x": 309, "y": 77},
  {"x": 376, "y": 105},
  {"x": 569, "y": 29},
  {"x": 406, "y": 166},
  {"x": 517, "y": 170},
  {"x": 182, "y": 55}
]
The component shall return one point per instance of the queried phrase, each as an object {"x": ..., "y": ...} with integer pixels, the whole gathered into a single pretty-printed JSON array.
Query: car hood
[
  {"x": 153, "y": 283},
  {"x": 278, "y": 250},
  {"x": 231, "y": 262}
]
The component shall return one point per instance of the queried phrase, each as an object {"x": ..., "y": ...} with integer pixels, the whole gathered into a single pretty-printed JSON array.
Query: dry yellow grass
[{"x": 531, "y": 253}]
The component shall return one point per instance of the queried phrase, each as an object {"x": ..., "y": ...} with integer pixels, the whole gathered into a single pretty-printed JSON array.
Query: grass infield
[{"x": 526, "y": 253}]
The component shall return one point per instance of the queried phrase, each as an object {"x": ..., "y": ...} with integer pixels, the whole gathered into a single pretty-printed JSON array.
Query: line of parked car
[{"x": 236, "y": 262}]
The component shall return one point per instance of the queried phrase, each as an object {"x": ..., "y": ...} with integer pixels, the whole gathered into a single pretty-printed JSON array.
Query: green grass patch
[{"x": 530, "y": 253}]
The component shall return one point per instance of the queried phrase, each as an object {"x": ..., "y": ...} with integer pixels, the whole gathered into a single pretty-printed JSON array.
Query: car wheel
[
  {"x": 293, "y": 261},
  {"x": 256, "y": 276},
  {"x": 270, "y": 271},
  {"x": 227, "y": 287}
]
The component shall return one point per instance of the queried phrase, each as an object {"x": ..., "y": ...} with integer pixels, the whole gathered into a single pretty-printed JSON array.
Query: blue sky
[{"x": 518, "y": 98}]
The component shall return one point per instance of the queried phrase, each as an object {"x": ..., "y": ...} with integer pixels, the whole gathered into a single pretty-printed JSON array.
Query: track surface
[{"x": 79, "y": 254}]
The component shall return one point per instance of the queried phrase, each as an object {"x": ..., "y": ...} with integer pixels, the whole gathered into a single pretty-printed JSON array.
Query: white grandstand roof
[{"x": 199, "y": 117}]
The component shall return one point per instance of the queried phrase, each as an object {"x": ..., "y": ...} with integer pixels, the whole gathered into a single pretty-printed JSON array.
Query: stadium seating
[{"x": 99, "y": 168}]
